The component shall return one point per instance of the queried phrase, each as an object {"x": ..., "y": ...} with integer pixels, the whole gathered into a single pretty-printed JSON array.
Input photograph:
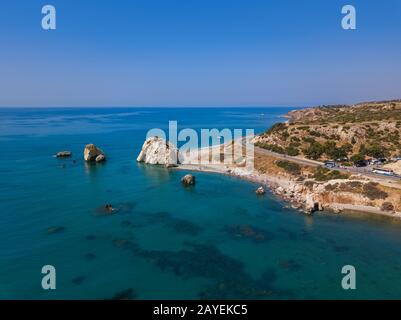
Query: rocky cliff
[{"x": 156, "y": 150}]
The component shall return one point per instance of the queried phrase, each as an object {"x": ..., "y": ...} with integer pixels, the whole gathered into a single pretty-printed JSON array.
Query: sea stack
[
  {"x": 93, "y": 153},
  {"x": 188, "y": 180},
  {"x": 156, "y": 150}
]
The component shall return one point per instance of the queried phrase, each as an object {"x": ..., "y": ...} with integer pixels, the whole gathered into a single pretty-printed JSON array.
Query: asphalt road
[{"x": 365, "y": 171}]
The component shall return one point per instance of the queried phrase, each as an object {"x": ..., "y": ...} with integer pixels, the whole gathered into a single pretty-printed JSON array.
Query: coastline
[
  {"x": 302, "y": 181},
  {"x": 278, "y": 185}
]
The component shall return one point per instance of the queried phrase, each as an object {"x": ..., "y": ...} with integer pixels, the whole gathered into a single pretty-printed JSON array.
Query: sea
[{"x": 215, "y": 240}]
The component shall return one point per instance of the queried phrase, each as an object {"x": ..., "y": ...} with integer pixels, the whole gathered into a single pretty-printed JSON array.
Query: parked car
[
  {"x": 375, "y": 162},
  {"x": 362, "y": 163},
  {"x": 329, "y": 164}
]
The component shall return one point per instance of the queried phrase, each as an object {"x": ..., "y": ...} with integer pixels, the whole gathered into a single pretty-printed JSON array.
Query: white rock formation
[
  {"x": 156, "y": 150},
  {"x": 311, "y": 205},
  {"x": 100, "y": 158}
]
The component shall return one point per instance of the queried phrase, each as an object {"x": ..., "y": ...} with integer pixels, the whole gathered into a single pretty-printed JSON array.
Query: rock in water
[
  {"x": 54, "y": 230},
  {"x": 64, "y": 154},
  {"x": 100, "y": 158},
  {"x": 91, "y": 153},
  {"x": 260, "y": 191},
  {"x": 188, "y": 180},
  {"x": 156, "y": 150}
]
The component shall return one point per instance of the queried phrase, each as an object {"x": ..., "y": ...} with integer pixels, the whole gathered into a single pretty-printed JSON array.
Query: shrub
[
  {"x": 270, "y": 147},
  {"x": 292, "y": 151},
  {"x": 285, "y": 135},
  {"x": 334, "y": 152},
  {"x": 357, "y": 158},
  {"x": 362, "y": 149},
  {"x": 387, "y": 206},
  {"x": 314, "y": 151},
  {"x": 291, "y": 167},
  {"x": 325, "y": 174},
  {"x": 309, "y": 140},
  {"x": 375, "y": 150},
  {"x": 295, "y": 144},
  {"x": 315, "y": 133},
  {"x": 309, "y": 184},
  {"x": 277, "y": 127},
  {"x": 371, "y": 191},
  {"x": 331, "y": 187},
  {"x": 353, "y": 186}
]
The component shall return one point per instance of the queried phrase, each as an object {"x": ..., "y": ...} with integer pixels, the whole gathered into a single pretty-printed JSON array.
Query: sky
[{"x": 198, "y": 53}]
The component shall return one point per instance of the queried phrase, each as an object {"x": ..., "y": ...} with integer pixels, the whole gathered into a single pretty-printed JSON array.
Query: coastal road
[
  {"x": 313, "y": 163},
  {"x": 305, "y": 162}
]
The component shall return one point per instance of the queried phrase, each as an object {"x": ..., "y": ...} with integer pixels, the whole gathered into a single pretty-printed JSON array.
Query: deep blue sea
[{"x": 215, "y": 240}]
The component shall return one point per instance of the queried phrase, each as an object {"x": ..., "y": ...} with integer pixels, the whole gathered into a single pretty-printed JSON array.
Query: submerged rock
[
  {"x": 78, "y": 280},
  {"x": 106, "y": 210},
  {"x": 122, "y": 243},
  {"x": 156, "y": 150},
  {"x": 54, "y": 230},
  {"x": 64, "y": 154},
  {"x": 188, "y": 180},
  {"x": 289, "y": 265},
  {"x": 207, "y": 261},
  {"x": 91, "y": 153},
  {"x": 90, "y": 256},
  {"x": 185, "y": 227},
  {"x": 127, "y": 294},
  {"x": 249, "y": 232}
]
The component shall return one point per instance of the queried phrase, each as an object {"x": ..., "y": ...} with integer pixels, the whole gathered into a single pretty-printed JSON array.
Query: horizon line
[
  {"x": 150, "y": 107},
  {"x": 310, "y": 105}
]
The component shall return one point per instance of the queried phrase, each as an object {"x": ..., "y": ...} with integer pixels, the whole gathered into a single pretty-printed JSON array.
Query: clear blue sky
[{"x": 198, "y": 53}]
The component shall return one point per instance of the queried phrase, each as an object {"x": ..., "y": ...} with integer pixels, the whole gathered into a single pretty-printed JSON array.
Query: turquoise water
[{"x": 216, "y": 240}]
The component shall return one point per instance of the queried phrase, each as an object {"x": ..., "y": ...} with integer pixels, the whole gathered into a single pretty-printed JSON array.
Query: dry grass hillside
[{"x": 331, "y": 132}]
